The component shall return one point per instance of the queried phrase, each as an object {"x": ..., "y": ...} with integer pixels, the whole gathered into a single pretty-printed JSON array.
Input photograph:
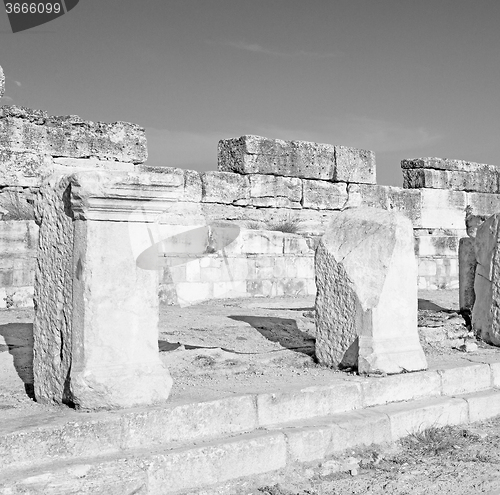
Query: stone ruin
[{"x": 115, "y": 238}]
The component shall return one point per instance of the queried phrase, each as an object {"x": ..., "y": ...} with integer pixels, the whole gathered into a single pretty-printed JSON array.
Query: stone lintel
[
  {"x": 447, "y": 164},
  {"x": 302, "y": 159}
]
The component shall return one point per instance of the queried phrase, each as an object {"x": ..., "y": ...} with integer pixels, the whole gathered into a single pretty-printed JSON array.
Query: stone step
[
  {"x": 219, "y": 465},
  {"x": 69, "y": 435}
]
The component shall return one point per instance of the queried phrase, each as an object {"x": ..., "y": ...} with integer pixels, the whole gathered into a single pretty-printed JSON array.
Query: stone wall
[{"x": 259, "y": 181}]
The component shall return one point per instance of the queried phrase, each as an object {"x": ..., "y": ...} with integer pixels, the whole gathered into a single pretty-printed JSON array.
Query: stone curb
[
  {"x": 76, "y": 435},
  {"x": 164, "y": 471}
]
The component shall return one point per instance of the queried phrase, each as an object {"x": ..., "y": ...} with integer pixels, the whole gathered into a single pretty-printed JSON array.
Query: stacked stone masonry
[{"x": 259, "y": 181}]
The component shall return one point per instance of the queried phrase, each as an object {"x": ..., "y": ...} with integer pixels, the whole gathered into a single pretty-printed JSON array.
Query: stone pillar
[
  {"x": 466, "y": 273},
  {"x": 366, "y": 303},
  {"x": 486, "y": 310},
  {"x": 96, "y": 319}
]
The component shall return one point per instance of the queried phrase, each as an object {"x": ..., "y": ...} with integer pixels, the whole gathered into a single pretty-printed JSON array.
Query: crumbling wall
[{"x": 259, "y": 182}]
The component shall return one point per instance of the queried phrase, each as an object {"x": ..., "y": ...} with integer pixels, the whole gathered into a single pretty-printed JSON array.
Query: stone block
[
  {"x": 366, "y": 313},
  {"x": 483, "y": 203},
  {"x": 294, "y": 405},
  {"x": 93, "y": 163},
  {"x": 446, "y": 164},
  {"x": 442, "y": 209},
  {"x": 189, "y": 293},
  {"x": 92, "y": 350},
  {"x": 459, "y": 380},
  {"x": 245, "y": 455},
  {"x": 28, "y": 131},
  {"x": 188, "y": 422},
  {"x": 435, "y": 243},
  {"x": 347, "y": 431},
  {"x": 483, "y": 405},
  {"x": 259, "y": 155},
  {"x": 224, "y": 187},
  {"x": 230, "y": 289},
  {"x": 486, "y": 312},
  {"x": 485, "y": 181},
  {"x": 383, "y": 390},
  {"x": 192, "y": 186},
  {"x": 354, "y": 165},
  {"x": 23, "y": 168},
  {"x": 323, "y": 195},
  {"x": 414, "y": 417},
  {"x": 296, "y": 245},
  {"x": 467, "y": 272},
  {"x": 270, "y": 186}
]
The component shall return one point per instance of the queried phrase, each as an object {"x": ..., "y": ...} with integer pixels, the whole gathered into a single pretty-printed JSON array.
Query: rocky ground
[{"x": 255, "y": 345}]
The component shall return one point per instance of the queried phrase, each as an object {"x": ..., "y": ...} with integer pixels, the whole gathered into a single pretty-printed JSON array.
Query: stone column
[
  {"x": 96, "y": 319},
  {"x": 466, "y": 273},
  {"x": 486, "y": 310},
  {"x": 366, "y": 303}
]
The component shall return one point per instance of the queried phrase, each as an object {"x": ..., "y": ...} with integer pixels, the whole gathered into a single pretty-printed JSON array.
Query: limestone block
[
  {"x": 323, "y": 195},
  {"x": 354, "y": 165},
  {"x": 2, "y": 82},
  {"x": 446, "y": 164},
  {"x": 271, "y": 186},
  {"x": 21, "y": 168},
  {"x": 278, "y": 202},
  {"x": 483, "y": 203},
  {"x": 192, "y": 186},
  {"x": 484, "y": 181},
  {"x": 96, "y": 320},
  {"x": 442, "y": 209},
  {"x": 467, "y": 271},
  {"x": 366, "y": 313},
  {"x": 435, "y": 243},
  {"x": 224, "y": 187},
  {"x": 486, "y": 312},
  {"x": 91, "y": 163},
  {"x": 33, "y": 131},
  {"x": 259, "y": 155}
]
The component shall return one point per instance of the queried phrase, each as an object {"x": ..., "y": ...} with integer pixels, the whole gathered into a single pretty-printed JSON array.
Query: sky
[{"x": 404, "y": 78}]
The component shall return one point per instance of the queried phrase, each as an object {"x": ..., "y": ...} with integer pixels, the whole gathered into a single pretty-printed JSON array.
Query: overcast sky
[{"x": 405, "y": 78}]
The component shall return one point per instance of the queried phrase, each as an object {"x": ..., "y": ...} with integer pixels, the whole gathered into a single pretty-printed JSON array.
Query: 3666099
[{"x": 33, "y": 8}]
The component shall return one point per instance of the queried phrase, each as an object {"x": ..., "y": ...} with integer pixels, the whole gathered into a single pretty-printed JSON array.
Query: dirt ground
[{"x": 229, "y": 347}]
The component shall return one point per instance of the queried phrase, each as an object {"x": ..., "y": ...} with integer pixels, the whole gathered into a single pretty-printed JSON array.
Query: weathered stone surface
[
  {"x": 466, "y": 273},
  {"x": 259, "y": 155},
  {"x": 21, "y": 168},
  {"x": 486, "y": 310},
  {"x": 446, "y": 164},
  {"x": 484, "y": 181},
  {"x": 2, "y": 82},
  {"x": 92, "y": 349},
  {"x": 323, "y": 195},
  {"x": 33, "y": 131},
  {"x": 483, "y": 203},
  {"x": 224, "y": 187},
  {"x": 354, "y": 165},
  {"x": 441, "y": 209},
  {"x": 271, "y": 186},
  {"x": 366, "y": 312},
  {"x": 472, "y": 222}
]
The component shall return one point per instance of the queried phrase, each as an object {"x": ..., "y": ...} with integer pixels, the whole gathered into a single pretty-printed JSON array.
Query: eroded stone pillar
[
  {"x": 366, "y": 303},
  {"x": 96, "y": 319},
  {"x": 466, "y": 273},
  {"x": 486, "y": 310}
]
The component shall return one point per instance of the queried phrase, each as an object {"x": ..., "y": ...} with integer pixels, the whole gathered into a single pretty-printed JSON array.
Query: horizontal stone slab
[
  {"x": 36, "y": 132},
  {"x": 224, "y": 187},
  {"x": 484, "y": 181},
  {"x": 483, "y": 203},
  {"x": 323, "y": 195},
  {"x": 446, "y": 164},
  {"x": 22, "y": 168},
  {"x": 435, "y": 244},
  {"x": 271, "y": 186},
  {"x": 307, "y": 160}
]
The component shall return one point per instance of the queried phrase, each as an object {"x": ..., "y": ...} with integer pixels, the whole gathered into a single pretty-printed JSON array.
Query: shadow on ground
[
  {"x": 284, "y": 331},
  {"x": 18, "y": 339}
]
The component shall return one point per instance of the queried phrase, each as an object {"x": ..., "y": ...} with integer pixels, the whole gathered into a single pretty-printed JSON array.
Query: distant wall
[{"x": 259, "y": 181}]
